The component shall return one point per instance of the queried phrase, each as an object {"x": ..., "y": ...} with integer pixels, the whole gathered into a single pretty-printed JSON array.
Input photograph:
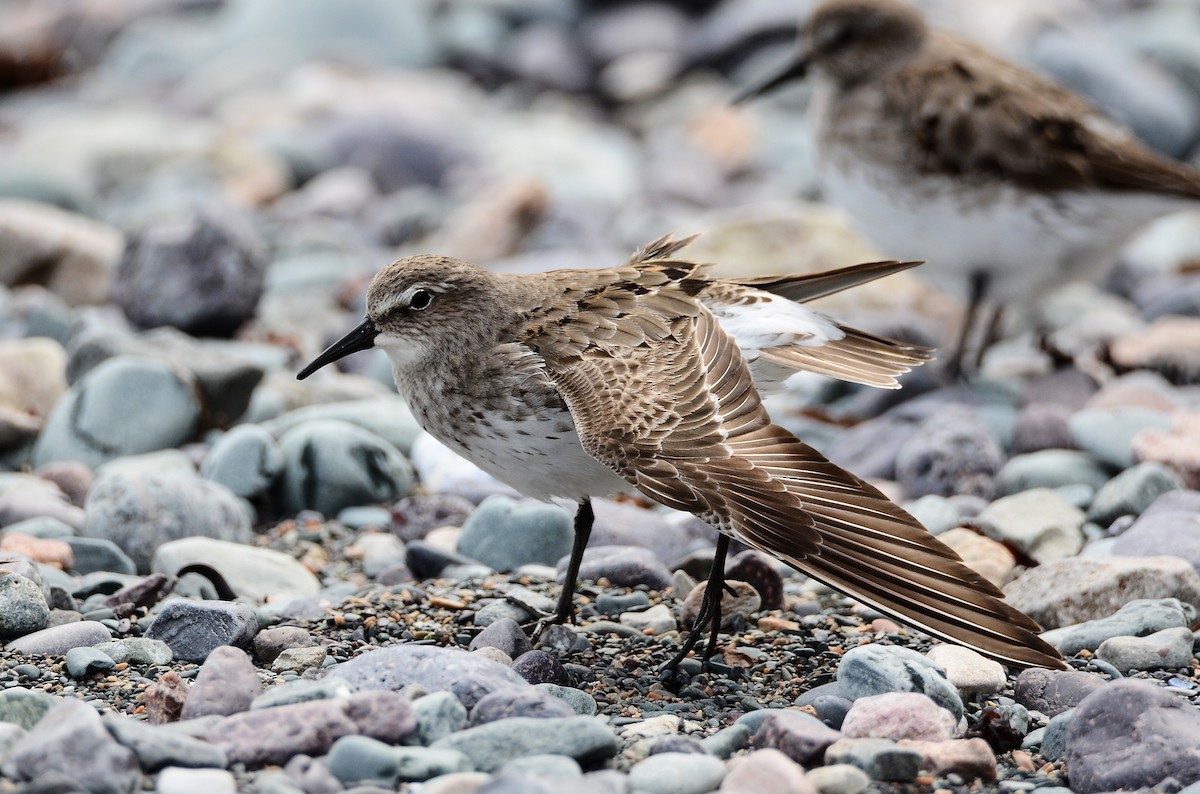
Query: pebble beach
[{"x": 217, "y": 578}]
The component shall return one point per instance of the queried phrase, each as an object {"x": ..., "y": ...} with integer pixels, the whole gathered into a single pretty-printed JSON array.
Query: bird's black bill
[
  {"x": 794, "y": 69},
  {"x": 361, "y": 338}
]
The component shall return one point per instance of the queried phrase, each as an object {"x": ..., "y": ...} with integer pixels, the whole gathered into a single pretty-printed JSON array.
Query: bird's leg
[
  {"x": 710, "y": 609},
  {"x": 977, "y": 291},
  {"x": 584, "y": 518},
  {"x": 991, "y": 335}
]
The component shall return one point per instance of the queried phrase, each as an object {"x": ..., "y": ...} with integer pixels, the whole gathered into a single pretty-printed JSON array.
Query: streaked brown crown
[{"x": 857, "y": 40}]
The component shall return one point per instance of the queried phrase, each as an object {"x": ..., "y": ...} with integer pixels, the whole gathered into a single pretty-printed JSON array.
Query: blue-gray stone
[
  {"x": 194, "y": 628},
  {"x": 23, "y": 607},
  {"x": 70, "y": 742},
  {"x": 24, "y": 707},
  {"x": 613, "y": 604},
  {"x": 388, "y": 418},
  {"x": 1054, "y": 740},
  {"x": 1107, "y": 434},
  {"x": 874, "y": 669},
  {"x": 331, "y": 464},
  {"x": 727, "y": 741},
  {"x": 936, "y": 513},
  {"x": 246, "y": 460},
  {"x": 10, "y": 736},
  {"x": 139, "y": 651},
  {"x": 1038, "y": 521},
  {"x": 504, "y": 634},
  {"x": 1131, "y": 492},
  {"x": 140, "y": 512},
  {"x": 124, "y": 406},
  {"x": 506, "y": 534},
  {"x": 359, "y": 518},
  {"x": 553, "y": 767},
  {"x": 502, "y": 610},
  {"x": 1050, "y": 468},
  {"x": 1132, "y": 734},
  {"x": 99, "y": 554},
  {"x": 158, "y": 746},
  {"x": 302, "y": 691},
  {"x": 1137, "y": 618},
  {"x": 622, "y": 566},
  {"x": 677, "y": 773},
  {"x": 489, "y": 746},
  {"x": 467, "y": 675},
  {"x": 508, "y": 703},
  {"x": 951, "y": 452},
  {"x": 363, "y": 760},
  {"x": 1166, "y": 649},
  {"x": 580, "y": 702},
  {"x": 438, "y": 714},
  {"x": 881, "y": 759},
  {"x": 42, "y": 527},
  {"x": 1054, "y": 691},
  {"x": 57, "y": 640},
  {"x": 1169, "y": 526},
  {"x": 82, "y": 662}
]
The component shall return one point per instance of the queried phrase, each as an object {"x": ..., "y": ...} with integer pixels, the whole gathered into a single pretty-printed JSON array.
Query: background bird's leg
[
  {"x": 584, "y": 518},
  {"x": 710, "y": 608},
  {"x": 991, "y": 335},
  {"x": 977, "y": 291}
]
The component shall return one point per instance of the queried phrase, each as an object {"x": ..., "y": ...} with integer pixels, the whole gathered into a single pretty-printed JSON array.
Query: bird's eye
[{"x": 420, "y": 300}]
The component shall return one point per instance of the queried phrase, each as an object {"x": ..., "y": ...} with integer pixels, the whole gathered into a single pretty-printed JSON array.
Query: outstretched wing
[{"x": 677, "y": 416}]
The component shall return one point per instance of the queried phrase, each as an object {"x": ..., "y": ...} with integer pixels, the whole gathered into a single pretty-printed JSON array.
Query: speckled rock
[
  {"x": 468, "y": 676},
  {"x": 1072, "y": 591},
  {"x": 899, "y": 715},
  {"x": 1054, "y": 692}
]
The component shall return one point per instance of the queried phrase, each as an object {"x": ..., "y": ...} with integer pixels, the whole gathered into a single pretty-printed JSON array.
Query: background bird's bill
[{"x": 793, "y": 69}]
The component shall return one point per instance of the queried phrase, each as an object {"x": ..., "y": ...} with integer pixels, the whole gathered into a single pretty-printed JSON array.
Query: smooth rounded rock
[
  {"x": 468, "y": 676},
  {"x": 1054, "y": 692},
  {"x": 952, "y": 452},
  {"x": 249, "y": 571},
  {"x": 82, "y": 662},
  {"x": 881, "y": 759},
  {"x": 246, "y": 460},
  {"x": 1169, "y": 526},
  {"x": 1169, "y": 649},
  {"x": 1131, "y": 492},
  {"x": 136, "y": 651},
  {"x": 1050, "y": 468},
  {"x": 507, "y": 703},
  {"x": 57, "y": 640},
  {"x": 363, "y": 760},
  {"x": 124, "y": 406},
  {"x": 1135, "y": 619},
  {"x": 766, "y": 772},
  {"x": 622, "y": 566},
  {"x": 331, "y": 464},
  {"x": 23, "y": 607},
  {"x": 489, "y": 746},
  {"x": 226, "y": 684},
  {"x": 899, "y": 715},
  {"x": 99, "y": 554},
  {"x": 874, "y": 669},
  {"x": 203, "y": 274},
  {"x": 1108, "y": 433},
  {"x": 1037, "y": 521},
  {"x": 1074, "y": 590},
  {"x": 1132, "y": 734},
  {"x": 140, "y": 512},
  {"x": 506, "y": 534},
  {"x": 970, "y": 672},
  {"x": 438, "y": 714},
  {"x": 801, "y": 737},
  {"x": 677, "y": 773}
]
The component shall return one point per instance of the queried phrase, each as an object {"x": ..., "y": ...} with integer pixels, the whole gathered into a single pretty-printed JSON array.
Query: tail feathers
[
  {"x": 858, "y": 357},
  {"x": 803, "y": 288}
]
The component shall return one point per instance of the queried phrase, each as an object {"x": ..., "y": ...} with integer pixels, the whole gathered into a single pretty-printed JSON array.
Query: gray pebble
[
  {"x": 936, "y": 513},
  {"x": 951, "y": 452},
  {"x": 57, "y": 640},
  {"x": 1131, "y": 492},
  {"x": 1137, "y": 618},
  {"x": 1054, "y": 691},
  {"x": 838, "y": 779},
  {"x": 613, "y": 604},
  {"x": 1050, "y": 468},
  {"x": 623, "y": 566},
  {"x": 330, "y": 465},
  {"x": 246, "y": 460},
  {"x": 438, "y": 714},
  {"x": 507, "y": 703},
  {"x": 138, "y": 651},
  {"x": 23, "y": 607},
  {"x": 468, "y": 676},
  {"x": 140, "y": 512},
  {"x": 362, "y": 760},
  {"x": 269, "y": 643},
  {"x": 1054, "y": 740},
  {"x": 124, "y": 406},
  {"x": 874, "y": 669},
  {"x": 1038, "y": 521},
  {"x": 506, "y": 534},
  {"x": 25, "y": 707},
  {"x": 158, "y": 746},
  {"x": 586, "y": 739},
  {"x": 1107, "y": 434},
  {"x": 250, "y": 572},
  {"x": 677, "y": 773},
  {"x": 99, "y": 554},
  {"x": 71, "y": 743},
  {"x": 881, "y": 759},
  {"x": 727, "y": 741},
  {"x": 194, "y": 629},
  {"x": 82, "y": 662},
  {"x": 579, "y": 701},
  {"x": 557, "y": 767},
  {"x": 226, "y": 683},
  {"x": 504, "y": 634},
  {"x": 1169, "y": 649}
]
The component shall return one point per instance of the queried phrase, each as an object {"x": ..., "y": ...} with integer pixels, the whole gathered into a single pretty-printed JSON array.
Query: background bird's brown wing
[
  {"x": 679, "y": 418},
  {"x": 972, "y": 114}
]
